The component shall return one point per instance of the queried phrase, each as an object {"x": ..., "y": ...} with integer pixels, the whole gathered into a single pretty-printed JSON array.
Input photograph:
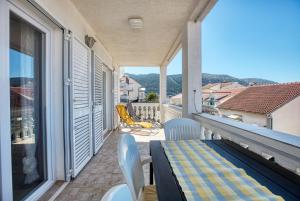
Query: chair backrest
[
  {"x": 130, "y": 164},
  {"x": 123, "y": 113},
  {"x": 182, "y": 129},
  {"x": 120, "y": 192}
]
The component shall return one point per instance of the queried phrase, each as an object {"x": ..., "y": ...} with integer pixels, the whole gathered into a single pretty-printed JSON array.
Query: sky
[
  {"x": 18, "y": 70},
  {"x": 246, "y": 39}
]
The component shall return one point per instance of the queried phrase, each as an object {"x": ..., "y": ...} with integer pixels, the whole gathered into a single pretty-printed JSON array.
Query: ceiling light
[{"x": 136, "y": 23}]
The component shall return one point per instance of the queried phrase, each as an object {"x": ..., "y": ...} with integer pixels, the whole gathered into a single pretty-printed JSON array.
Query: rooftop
[{"x": 263, "y": 99}]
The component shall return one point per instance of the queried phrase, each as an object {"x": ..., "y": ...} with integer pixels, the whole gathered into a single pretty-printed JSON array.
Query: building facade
[
  {"x": 273, "y": 106},
  {"x": 131, "y": 90}
]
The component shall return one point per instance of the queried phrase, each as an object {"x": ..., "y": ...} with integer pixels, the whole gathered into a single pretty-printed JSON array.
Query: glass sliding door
[{"x": 27, "y": 107}]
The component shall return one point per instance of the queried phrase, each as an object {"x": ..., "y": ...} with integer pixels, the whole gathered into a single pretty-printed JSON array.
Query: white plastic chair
[
  {"x": 118, "y": 193},
  {"x": 182, "y": 129},
  {"x": 131, "y": 166}
]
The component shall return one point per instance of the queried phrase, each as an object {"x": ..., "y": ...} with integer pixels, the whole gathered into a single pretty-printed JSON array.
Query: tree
[{"x": 152, "y": 97}]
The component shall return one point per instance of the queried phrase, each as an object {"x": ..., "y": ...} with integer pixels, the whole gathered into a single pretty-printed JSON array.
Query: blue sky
[
  {"x": 18, "y": 70},
  {"x": 242, "y": 38}
]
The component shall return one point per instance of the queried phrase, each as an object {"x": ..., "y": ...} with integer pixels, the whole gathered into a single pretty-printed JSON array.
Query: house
[
  {"x": 176, "y": 100},
  {"x": 213, "y": 94},
  {"x": 273, "y": 106},
  {"x": 213, "y": 98},
  {"x": 142, "y": 94},
  {"x": 131, "y": 90},
  {"x": 222, "y": 86}
]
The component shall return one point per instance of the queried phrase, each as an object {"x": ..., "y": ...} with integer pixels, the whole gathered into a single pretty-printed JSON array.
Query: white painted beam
[{"x": 191, "y": 69}]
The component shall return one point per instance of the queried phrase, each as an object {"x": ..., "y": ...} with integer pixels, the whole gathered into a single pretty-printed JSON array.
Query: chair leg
[{"x": 151, "y": 174}]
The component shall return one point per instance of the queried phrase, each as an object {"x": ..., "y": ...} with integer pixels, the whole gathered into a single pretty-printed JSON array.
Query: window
[{"x": 27, "y": 107}]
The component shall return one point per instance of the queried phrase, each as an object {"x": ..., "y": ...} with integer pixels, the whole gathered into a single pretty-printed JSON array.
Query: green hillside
[{"x": 174, "y": 83}]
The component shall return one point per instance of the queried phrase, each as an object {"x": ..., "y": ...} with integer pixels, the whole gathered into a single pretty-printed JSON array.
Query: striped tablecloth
[{"x": 205, "y": 175}]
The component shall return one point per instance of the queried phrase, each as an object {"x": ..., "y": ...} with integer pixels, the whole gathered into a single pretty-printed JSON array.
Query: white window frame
[
  {"x": 109, "y": 100},
  {"x": 5, "y": 144}
]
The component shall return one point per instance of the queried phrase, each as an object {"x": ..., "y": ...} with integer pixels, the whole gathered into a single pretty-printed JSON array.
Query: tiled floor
[{"x": 103, "y": 171}]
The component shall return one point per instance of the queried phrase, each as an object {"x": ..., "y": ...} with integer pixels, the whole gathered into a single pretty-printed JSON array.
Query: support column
[
  {"x": 191, "y": 69},
  {"x": 162, "y": 91}
]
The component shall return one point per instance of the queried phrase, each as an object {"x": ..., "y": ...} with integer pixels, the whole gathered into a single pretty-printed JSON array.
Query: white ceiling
[{"x": 163, "y": 23}]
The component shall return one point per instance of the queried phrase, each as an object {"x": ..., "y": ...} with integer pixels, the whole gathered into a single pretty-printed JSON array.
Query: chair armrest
[{"x": 146, "y": 160}]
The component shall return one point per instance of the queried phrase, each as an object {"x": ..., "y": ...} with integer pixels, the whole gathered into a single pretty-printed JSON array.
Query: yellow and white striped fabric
[{"x": 203, "y": 174}]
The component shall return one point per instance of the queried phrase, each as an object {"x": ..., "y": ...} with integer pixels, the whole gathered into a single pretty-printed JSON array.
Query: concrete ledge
[
  {"x": 283, "y": 148},
  {"x": 172, "y": 112}
]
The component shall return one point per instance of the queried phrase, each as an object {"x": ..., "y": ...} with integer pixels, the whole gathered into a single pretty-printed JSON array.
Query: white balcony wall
[
  {"x": 147, "y": 111},
  {"x": 248, "y": 117},
  {"x": 280, "y": 147},
  {"x": 172, "y": 112}
]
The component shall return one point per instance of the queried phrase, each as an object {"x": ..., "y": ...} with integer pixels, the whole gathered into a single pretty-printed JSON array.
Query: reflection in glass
[{"x": 27, "y": 101}]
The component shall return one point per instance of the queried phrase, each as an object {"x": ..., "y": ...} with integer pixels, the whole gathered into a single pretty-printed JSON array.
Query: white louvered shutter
[
  {"x": 81, "y": 94},
  {"x": 97, "y": 104}
]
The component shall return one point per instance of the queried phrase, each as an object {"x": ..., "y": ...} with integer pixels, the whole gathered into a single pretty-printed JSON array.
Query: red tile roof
[{"x": 263, "y": 99}]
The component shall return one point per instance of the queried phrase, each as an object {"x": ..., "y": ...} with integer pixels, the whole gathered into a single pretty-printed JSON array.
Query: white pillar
[
  {"x": 116, "y": 95},
  {"x": 191, "y": 69},
  {"x": 162, "y": 91}
]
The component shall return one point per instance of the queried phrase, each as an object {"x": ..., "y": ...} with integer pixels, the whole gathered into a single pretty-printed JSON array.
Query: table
[{"x": 277, "y": 179}]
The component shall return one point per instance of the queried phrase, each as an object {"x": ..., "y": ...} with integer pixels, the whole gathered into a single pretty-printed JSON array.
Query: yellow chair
[{"x": 128, "y": 120}]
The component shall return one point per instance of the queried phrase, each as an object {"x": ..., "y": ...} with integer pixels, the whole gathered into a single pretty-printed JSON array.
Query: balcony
[
  {"x": 272, "y": 151},
  {"x": 72, "y": 126},
  {"x": 103, "y": 171}
]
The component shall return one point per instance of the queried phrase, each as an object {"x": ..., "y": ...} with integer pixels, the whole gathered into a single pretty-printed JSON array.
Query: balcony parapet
[
  {"x": 172, "y": 111},
  {"x": 147, "y": 111},
  {"x": 282, "y": 148}
]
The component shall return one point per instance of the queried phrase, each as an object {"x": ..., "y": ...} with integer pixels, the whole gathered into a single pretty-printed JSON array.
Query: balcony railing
[
  {"x": 147, "y": 111},
  {"x": 281, "y": 148},
  {"x": 172, "y": 112}
]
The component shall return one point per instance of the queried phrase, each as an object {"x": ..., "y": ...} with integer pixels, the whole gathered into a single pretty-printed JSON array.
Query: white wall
[
  {"x": 248, "y": 117},
  {"x": 287, "y": 118},
  {"x": 134, "y": 89},
  {"x": 67, "y": 14}
]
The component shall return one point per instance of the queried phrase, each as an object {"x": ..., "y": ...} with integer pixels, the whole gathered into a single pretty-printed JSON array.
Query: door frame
[
  {"x": 36, "y": 20},
  {"x": 108, "y": 96}
]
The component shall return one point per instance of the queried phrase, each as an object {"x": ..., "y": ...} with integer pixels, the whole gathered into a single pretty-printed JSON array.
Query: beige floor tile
[{"x": 103, "y": 171}]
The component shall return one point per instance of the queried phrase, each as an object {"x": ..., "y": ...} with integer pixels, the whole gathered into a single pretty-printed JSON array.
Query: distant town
[{"x": 259, "y": 102}]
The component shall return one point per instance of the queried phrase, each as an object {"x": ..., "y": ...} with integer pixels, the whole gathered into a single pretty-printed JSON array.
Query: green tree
[{"x": 152, "y": 97}]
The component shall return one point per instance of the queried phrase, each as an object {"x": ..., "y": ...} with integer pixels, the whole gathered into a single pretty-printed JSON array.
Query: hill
[{"x": 174, "y": 83}]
